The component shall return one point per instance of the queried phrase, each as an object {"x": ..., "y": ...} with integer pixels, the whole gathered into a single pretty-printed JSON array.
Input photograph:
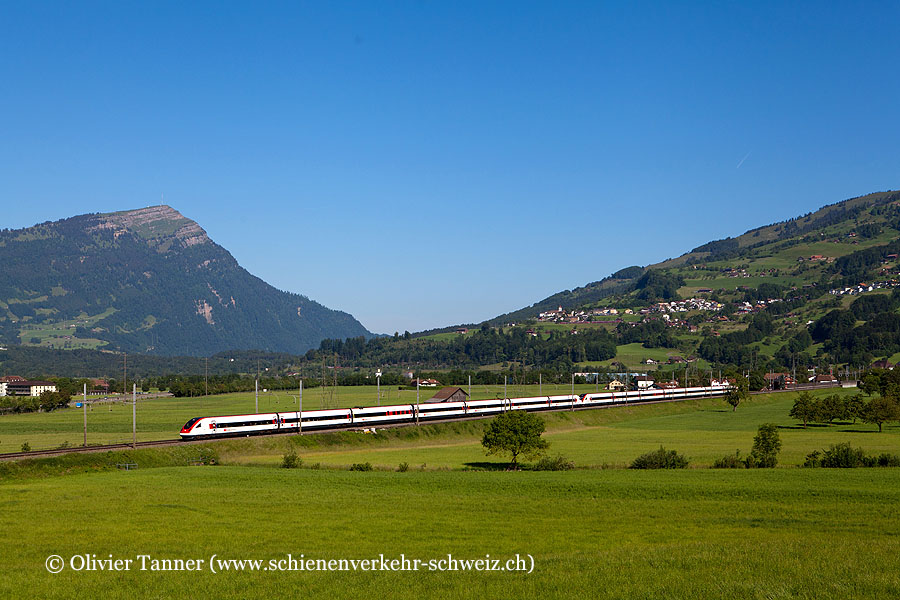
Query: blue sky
[{"x": 420, "y": 164}]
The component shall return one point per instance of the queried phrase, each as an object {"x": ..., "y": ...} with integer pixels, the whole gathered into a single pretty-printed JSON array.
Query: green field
[
  {"x": 594, "y": 532},
  {"x": 703, "y": 430},
  {"x": 814, "y": 534}
]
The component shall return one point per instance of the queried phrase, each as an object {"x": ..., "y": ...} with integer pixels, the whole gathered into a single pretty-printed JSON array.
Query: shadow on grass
[{"x": 488, "y": 466}]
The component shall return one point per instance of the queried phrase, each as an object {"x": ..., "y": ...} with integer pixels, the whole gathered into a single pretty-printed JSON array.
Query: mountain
[
  {"x": 151, "y": 281},
  {"x": 873, "y": 220}
]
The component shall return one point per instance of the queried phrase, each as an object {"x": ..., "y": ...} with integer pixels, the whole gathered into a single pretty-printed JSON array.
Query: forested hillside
[{"x": 148, "y": 281}]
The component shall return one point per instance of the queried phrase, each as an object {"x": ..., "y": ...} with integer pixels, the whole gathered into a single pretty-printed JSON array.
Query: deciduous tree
[{"x": 516, "y": 432}]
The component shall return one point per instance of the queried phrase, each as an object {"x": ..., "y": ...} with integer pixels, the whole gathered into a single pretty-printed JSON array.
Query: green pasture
[
  {"x": 631, "y": 355},
  {"x": 695, "y": 534},
  {"x": 704, "y": 430}
]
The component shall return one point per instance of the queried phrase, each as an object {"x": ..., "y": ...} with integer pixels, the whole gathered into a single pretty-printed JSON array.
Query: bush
[
  {"x": 843, "y": 456},
  {"x": 291, "y": 460},
  {"x": 766, "y": 446},
  {"x": 660, "y": 459},
  {"x": 813, "y": 459},
  {"x": 26, "y": 447},
  {"x": 366, "y": 466},
  {"x": 730, "y": 461},
  {"x": 557, "y": 463},
  {"x": 403, "y": 467},
  {"x": 888, "y": 460}
]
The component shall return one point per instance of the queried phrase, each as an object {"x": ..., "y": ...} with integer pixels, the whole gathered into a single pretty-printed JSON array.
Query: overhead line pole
[
  {"x": 84, "y": 406},
  {"x": 134, "y": 416}
]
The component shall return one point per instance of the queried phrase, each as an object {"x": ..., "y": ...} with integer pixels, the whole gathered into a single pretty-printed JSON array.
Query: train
[{"x": 372, "y": 416}]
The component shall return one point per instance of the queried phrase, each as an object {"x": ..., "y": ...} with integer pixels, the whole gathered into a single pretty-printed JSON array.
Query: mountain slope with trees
[{"x": 147, "y": 280}]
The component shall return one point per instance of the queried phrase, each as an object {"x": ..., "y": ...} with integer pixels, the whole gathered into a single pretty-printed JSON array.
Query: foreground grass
[{"x": 593, "y": 534}]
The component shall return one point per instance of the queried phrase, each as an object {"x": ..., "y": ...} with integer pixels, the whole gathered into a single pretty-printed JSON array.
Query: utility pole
[
  {"x": 84, "y": 406},
  {"x": 134, "y": 416},
  {"x": 540, "y": 384},
  {"x": 206, "y": 376},
  {"x": 300, "y": 409},
  {"x": 378, "y": 383},
  {"x": 125, "y": 378},
  {"x": 470, "y": 387},
  {"x": 573, "y": 392},
  {"x": 505, "y": 395},
  {"x": 256, "y": 386}
]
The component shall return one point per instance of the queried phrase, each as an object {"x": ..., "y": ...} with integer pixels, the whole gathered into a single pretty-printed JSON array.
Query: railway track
[{"x": 98, "y": 448}]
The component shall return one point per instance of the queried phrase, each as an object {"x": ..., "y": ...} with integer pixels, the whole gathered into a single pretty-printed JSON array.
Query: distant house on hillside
[
  {"x": 615, "y": 385},
  {"x": 449, "y": 394},
  {"x": 824, "y": 379},
  {"x": 883, "y": 364}
]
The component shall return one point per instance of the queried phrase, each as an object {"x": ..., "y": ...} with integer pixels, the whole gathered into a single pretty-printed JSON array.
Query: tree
[
  {"x": 804, "y": 408},
  {"x": 516, "y": 432},
  {"x": 766, "y": 446},
  {"x": 832, "y": 407},
  {"x": 738, "y": 393},
  {"x": 854, "y": 406},
  {"x": 881, "y": 410}
]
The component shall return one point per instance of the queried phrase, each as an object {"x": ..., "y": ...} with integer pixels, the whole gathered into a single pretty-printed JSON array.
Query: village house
[
  {"x": 449, "y": 394},
  {"x": 643, "y": 382},
  {"x": 19, "y": 386},
  {"x": 615, "y": 385}
]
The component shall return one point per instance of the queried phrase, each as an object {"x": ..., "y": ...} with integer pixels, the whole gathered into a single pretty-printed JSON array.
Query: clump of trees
[
  {"x": 844, "y": 456},
  {"x": 46, "y": 402},
  {"x": 878, "y": 411},
  {"x": 517, "y": 433},
  {"x": 660, "y": 459}
]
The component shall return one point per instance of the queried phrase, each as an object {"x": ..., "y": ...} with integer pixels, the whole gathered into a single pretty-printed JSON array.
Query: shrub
[
  {"x": 729, "y": 461},
  {"x": 366, "y": 466},
  {"x": 403, "y": 467},
  {"x": 766, "y": 446},
  {"x": 557, "y": 463},
  {"x": 843, "y": 456},
  {"x": 291, "y": 460},
  {"x": 888, "y": 460},
  {"x": 660, "y": 459},
  {"x": 26, "y": 447},
  {"x": 813, "y": 459}
]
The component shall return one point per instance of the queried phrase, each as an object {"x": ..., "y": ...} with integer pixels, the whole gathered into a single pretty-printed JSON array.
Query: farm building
[{"x": 449, "y": 394}]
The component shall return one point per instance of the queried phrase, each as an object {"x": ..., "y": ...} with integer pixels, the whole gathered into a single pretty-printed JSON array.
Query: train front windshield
[{"x": 189, "y": 424}]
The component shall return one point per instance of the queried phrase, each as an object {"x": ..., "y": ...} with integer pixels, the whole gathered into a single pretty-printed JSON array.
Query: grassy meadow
[
  {"x": 702, "y": 534},
  {"x": 592, "y": 532}
]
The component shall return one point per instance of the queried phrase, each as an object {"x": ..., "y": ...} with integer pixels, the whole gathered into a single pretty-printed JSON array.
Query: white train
[{"x": 342, "y": 418}]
